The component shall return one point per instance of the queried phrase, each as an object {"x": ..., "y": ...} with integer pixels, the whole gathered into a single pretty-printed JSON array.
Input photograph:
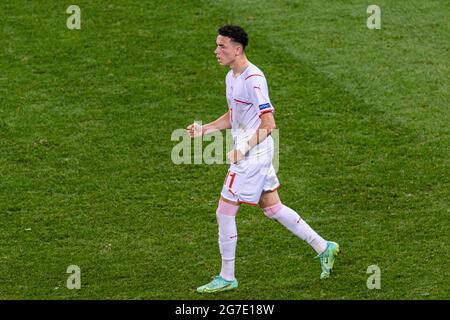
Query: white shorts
[{"x": 246, "y": 181}]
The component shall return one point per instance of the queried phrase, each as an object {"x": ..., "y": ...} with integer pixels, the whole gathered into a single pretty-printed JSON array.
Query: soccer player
[{"x": 251, "y": 177}]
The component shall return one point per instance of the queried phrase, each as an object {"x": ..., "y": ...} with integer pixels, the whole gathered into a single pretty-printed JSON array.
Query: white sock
[
  {"x": 292, "y": 221},
  {"x": 227, "y": 244}
]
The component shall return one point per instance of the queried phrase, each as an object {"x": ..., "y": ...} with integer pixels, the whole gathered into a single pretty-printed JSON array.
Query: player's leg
[
  {"x": 273, "y": 208},
  {"x": 226, "y": 219}
]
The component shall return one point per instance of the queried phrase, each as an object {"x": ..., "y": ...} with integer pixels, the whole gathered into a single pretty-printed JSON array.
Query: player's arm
[
  {"x": 223, "y": 122},
  {"x": 263, "y": 131}
]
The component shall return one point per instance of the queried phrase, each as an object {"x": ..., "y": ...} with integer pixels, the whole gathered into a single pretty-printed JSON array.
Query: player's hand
[
  {"x": 195, "y": 130},
  {"x": 235, "y": 156}
]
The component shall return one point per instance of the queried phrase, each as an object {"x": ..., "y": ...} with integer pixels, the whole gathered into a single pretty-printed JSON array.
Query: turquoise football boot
[
  {"x": 327, "y": 258},
  {"x": 217, "y": 285}
]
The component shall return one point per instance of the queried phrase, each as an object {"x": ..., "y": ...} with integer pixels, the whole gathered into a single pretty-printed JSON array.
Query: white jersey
[{"x": 248, "y": 99}]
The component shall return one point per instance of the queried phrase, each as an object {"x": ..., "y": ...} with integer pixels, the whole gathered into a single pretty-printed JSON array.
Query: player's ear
[{"x": 239, "y": 50}]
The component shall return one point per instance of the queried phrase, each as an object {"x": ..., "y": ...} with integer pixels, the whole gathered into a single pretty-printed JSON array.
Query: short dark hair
[{"x": 236, "y": 33}]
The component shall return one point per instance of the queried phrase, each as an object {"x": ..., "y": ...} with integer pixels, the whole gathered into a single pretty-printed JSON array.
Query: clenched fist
[{"x": 195, "y": 130}]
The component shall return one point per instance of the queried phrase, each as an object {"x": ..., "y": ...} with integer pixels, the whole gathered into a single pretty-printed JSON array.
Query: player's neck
[{"x": 239, "y": 66}]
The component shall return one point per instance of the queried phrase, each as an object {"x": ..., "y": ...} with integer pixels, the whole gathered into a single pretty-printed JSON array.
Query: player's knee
[
  {"x": 270, "y": 211},
  {"x": 227, "y": 209}
]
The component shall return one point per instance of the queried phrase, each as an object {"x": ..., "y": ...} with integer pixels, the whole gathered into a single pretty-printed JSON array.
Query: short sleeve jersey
[{"x": 248, "y": 98}]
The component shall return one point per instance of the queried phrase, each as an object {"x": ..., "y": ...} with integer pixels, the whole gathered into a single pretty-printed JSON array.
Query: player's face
[{"x": 226, "y": 50}]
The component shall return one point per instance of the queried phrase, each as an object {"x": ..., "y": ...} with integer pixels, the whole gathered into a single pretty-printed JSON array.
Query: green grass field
[{"x": 86, "y": 176}]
